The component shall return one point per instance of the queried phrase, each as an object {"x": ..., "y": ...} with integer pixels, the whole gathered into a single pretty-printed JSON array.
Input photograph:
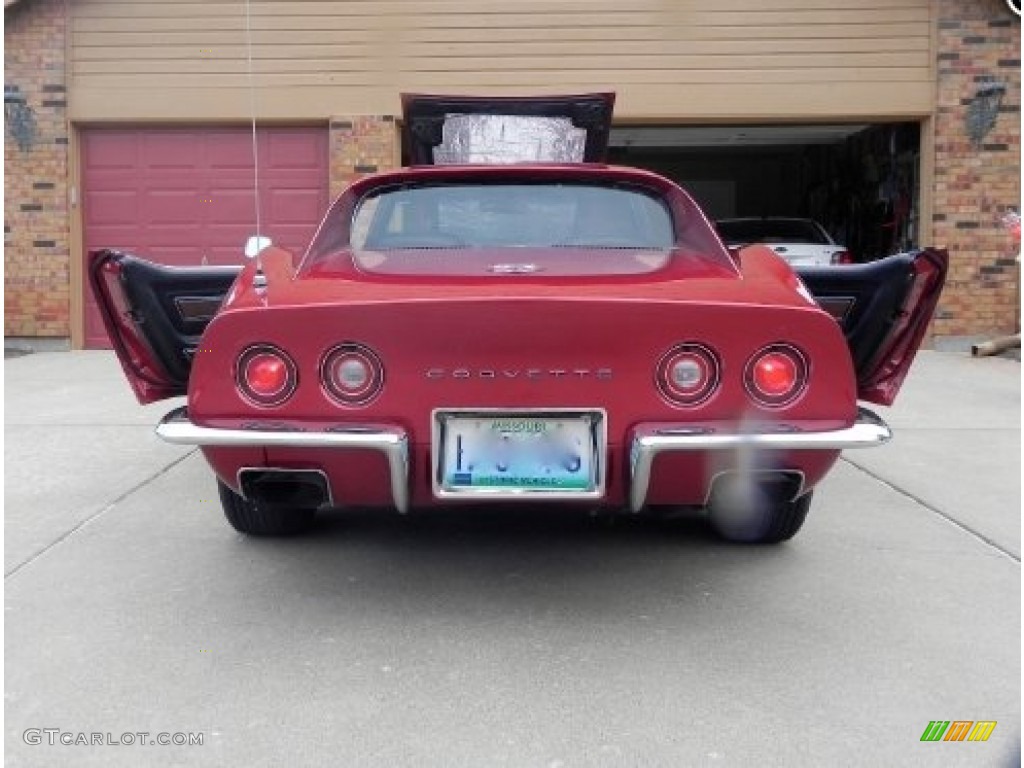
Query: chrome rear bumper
[
  {"x": 393, "y": 442},
  {"x": 649, "y": 440}
]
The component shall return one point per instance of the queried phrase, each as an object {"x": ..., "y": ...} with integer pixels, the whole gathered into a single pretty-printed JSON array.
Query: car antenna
[{"x": 259, "y": 279}]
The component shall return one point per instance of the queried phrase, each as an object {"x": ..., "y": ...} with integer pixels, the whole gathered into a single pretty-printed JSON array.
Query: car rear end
[
  {"x": 811, "y": 255},
  {"x": 610, "y": 400},
  {"x": 801, "y": 242}
]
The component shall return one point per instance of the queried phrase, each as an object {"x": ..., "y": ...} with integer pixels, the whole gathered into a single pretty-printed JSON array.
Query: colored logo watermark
[{"x": 958, "y": 730}]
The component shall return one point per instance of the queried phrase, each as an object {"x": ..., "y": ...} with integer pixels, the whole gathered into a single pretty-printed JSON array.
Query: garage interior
[{"x": 862, "y": 182}]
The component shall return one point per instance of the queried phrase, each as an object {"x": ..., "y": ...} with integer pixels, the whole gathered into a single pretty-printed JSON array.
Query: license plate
[{"x": 502, "y": 454}]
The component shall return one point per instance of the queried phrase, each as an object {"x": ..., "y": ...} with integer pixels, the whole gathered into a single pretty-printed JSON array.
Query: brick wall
[
  {"x": 976, "y": 183},
  {"x": 36, "y": 277},
  {"x": 361, "y": 145}
]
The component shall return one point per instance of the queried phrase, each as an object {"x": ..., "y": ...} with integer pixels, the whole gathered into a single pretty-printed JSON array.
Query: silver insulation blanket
[{"x": 504, "y": 139}]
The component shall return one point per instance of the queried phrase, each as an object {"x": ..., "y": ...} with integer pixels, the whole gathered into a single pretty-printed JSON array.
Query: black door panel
[
  {"x": 864, "y": 298},
  {"x": 884, "y": 308},
  {"x": 160, "y": 314}
]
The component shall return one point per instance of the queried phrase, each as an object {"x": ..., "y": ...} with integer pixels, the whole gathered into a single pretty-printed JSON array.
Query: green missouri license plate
[{"x": 545, "y": 453}]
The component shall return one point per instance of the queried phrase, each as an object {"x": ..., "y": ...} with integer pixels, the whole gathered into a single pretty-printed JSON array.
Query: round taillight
[
  {"x": 688, "y": 374},
  {"x": 352, "y": 374},
  {"x": 776, "y": 375},
  {"x": 266, "y": 375}
]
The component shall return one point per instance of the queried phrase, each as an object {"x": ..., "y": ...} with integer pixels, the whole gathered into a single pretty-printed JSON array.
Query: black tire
[
  {"x": 764, "y": 522},
  {"x": 260, "y": 519}
]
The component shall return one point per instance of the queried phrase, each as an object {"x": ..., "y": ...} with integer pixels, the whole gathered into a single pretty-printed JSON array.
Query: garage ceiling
[{"x": 730, "y": 135}]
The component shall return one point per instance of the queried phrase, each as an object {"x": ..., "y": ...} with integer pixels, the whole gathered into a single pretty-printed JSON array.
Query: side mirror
[{"x": 255, "y": 244}]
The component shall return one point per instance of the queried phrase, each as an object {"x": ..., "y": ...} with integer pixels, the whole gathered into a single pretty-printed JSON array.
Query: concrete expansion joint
[
  {"x": 935, "y": 510},
  {"x": 97, "y": 514}
]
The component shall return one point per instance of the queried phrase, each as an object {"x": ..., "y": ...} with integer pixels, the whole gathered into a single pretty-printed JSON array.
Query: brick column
[
  {"x": 976, "y": 182},
  {"x": 36, "y": 234},
  {"x": 361, "y": 145}
]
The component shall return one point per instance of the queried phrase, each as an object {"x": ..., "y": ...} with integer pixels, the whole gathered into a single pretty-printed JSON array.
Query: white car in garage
[{"x": 799, "y": 241}]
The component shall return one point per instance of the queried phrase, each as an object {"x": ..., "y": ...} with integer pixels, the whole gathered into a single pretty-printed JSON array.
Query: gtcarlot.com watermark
[{"x": 57, "y": 736}]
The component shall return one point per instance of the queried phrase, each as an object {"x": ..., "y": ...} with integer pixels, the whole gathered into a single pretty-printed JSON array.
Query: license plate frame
[{"x": 594, "y": 421}]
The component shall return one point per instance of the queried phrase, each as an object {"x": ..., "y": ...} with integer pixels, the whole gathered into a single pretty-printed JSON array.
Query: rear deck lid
[{"x": 451, "y": 130}]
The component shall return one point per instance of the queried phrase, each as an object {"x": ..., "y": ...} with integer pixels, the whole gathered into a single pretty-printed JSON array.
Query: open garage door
[
  {"x": 184, "y": 196},
  {"x": 860, "y": 181}
]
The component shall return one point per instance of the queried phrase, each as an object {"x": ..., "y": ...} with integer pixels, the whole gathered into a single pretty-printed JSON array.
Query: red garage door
[{"x": 179, "y": 195}]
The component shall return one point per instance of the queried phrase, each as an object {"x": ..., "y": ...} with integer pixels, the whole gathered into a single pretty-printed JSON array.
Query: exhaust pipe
[
  {"x": 773, "y": 485},
  {"x": 290, "y": 488},
  {"x": 741, "y": 504}
]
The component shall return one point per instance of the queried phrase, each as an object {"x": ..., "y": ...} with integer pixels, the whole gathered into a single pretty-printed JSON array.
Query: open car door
[
  {"x": 155, "y": 316},
  {"x": 884, "y": 308},
  {"x": 445, "y": 130}
]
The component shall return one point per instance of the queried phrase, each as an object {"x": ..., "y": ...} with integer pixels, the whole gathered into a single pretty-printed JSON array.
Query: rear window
[
  {"x": 771, "y": 231},
  {"x": 548, "y": 215}
]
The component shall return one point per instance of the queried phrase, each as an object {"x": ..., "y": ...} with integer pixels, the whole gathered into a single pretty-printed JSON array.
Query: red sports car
[{"x": 472, "y": 329}]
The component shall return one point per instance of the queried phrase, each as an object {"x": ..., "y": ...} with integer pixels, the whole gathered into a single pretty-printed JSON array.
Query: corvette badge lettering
[{"x": 602, "y": 374}]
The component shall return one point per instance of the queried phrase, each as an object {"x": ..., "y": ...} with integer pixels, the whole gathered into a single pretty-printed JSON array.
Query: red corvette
[{"x": 470, "y": 330}]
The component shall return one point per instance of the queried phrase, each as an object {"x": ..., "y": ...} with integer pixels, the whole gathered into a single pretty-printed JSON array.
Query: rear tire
[
  {"x": 763, "y": 522},
  {"x": 262, "y": 520}
]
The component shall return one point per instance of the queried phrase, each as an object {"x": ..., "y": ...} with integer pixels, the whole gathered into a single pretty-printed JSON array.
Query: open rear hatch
[{"x": 446, "y": 130}]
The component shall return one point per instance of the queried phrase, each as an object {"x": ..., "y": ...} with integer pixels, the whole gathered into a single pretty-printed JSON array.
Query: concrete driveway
[{"x": 531, "y": 638}]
